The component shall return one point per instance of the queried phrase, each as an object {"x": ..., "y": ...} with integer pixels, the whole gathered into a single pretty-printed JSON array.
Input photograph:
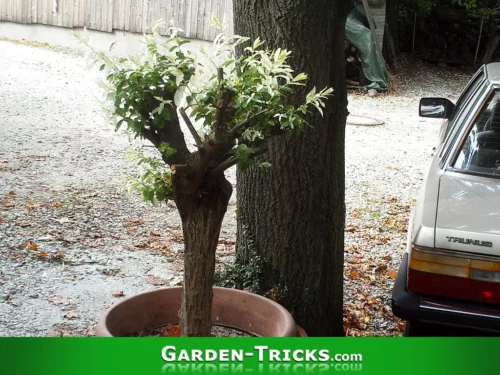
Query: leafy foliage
[
  {"x": 153, "y": 180},
  {"x": 475, "y": 7},
  {"x": 244, "y": 276},
  {"x": 237, "y": 102}
]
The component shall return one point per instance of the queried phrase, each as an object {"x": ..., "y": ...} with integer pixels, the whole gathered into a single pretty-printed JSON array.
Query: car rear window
[{"x": 481, "y": 150}]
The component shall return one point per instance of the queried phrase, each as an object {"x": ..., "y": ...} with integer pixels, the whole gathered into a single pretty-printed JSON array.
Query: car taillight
[{"x": 454, "y": 276}]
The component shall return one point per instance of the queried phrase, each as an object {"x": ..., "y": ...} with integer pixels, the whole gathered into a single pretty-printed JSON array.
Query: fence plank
[
  {"x": 93, "y": 15},
  {"x": 146, "y": 16},
  {"x": 126, "y": 14},
  {"x": 129, "y": 15},
  {"x": 68, "y": 13},
  {"x": 44, "y": 12},
  {"x": 117, "y": 4},
  {"x": 79, "y": 13},
  {"x": 102, "y": 15},
  {"x": 109, "y": 23}
]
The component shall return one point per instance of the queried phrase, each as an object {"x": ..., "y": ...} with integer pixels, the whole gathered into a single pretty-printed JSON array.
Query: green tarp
[{"x": 361, "y": 37}]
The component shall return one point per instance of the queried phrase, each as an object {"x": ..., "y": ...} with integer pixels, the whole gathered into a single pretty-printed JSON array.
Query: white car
[{"x": 450, "y": 273}]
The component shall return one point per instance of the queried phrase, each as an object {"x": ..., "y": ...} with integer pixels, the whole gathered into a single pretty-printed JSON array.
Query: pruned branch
[
  {"x": 228, "y": 163},
  {"x": 191, "y": 128},
  {"x": 244, "y": 123},
  {"x": 182, "y": 170}
]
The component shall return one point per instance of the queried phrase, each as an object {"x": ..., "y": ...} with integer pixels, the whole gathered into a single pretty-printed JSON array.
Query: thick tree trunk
[
  {"x": 292, "y": 214},
  {"x": 202, "y": 214},
  {"x": 391, "y": 38}
]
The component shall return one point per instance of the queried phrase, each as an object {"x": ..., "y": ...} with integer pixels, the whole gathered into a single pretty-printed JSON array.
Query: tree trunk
[
  {"x": 391, "y": 37},
  {"x": 490, "y": 49},
  {"x": 292, "y": 214},
  {"x": 202, "y": 214}
]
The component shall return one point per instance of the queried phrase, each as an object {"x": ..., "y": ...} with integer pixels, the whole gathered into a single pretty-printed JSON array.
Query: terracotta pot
[{"x": 231, "y": 308}]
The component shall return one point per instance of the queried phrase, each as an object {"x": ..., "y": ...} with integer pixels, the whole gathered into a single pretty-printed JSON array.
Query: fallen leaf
[
  {"x": 63, "y": 330},
  {"x": 30, "y": 245},
  {"x": 90, "y": 330},
  {"x": 59, "y": 301},
  {"x": 353, "y": 274},
  {"x": 392, "y": 274},
  {"x": 401, "y": 325},
  {"x": 140, "y": 245},
  {"x": 390, "y": 223},
  {"x": 10, "y": 301},
  {"x": 12, "y": 193},
  {"x": 119, "y": 294},
  {"x": 96, "y": 243},
  {"x": 22, "y": 224},
  {"x": 171, "y": 330},
  {"x": 111, "y": 272},
  {"x": 355, "y": 214},
  {"x": 366, "y": 319},
  {"x": 56, "y": 204},
  {"x": 133, "y": 223},
  {"x": 372, "y": 302},
  {"x": 351, "y": 229},
  {"x": 7, "y": 203},
  {"x": 155, "y": 280},
  {"x": 381, "y": 267},
  {"x": 70, "y": 315},
  {"x": 41, "y": 255}
]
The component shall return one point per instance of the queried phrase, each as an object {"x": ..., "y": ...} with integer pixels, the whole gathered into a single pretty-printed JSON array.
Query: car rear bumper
[{"x": 414, "y": 307}]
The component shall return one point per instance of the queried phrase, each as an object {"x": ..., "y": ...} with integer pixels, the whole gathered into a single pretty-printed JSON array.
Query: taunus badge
[{"x": 468, "y": 241}]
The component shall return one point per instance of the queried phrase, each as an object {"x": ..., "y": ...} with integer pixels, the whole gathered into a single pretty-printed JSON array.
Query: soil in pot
[{"x": 173, "y": 330}]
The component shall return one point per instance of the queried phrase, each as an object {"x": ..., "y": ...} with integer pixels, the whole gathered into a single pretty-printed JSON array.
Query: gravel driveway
[{"x": 72, "y": 244}]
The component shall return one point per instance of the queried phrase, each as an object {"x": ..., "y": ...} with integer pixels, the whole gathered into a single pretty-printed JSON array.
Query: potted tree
[{"x": 232, "y": 104}]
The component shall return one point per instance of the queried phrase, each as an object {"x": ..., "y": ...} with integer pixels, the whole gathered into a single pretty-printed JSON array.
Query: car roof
[{"x": 493, "y": 72}]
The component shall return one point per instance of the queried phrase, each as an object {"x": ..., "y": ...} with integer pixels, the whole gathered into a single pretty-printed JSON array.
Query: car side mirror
[{"x": 436, "y": 108}]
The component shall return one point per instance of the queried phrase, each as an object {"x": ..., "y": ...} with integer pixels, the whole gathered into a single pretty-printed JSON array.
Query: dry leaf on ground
[
  {"x": 70, "y": 315},
  {"x": 59, "y": 301},
  {"x": 155, "y": 280}
]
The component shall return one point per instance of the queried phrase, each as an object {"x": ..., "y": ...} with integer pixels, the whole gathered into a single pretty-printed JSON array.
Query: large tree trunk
[
  {"x": 391, "y": 36},
  {"x": 202, "y": 214},
  {"x": 292, "y": 214}
]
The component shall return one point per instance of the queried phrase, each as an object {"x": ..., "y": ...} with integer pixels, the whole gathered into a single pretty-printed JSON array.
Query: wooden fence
[{"x": 128, "y": 15}]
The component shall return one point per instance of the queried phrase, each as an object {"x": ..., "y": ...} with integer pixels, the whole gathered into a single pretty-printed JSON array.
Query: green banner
[{"x": 94, "y": 356}]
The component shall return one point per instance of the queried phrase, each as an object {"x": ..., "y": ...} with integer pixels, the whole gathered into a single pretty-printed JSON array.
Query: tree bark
[
  {"x": 490, "y": 49},
  {"x": 292, "y": 214},
  {"x": 391, "y": 37},
  {"x": 201, "y": 214}
]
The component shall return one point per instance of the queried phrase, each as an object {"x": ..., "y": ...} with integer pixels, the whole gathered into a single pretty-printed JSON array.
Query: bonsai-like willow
[{"x": 232, "y": 105}]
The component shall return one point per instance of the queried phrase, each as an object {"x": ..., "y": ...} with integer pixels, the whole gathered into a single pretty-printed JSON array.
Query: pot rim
[{"x": 289, "y": 327}]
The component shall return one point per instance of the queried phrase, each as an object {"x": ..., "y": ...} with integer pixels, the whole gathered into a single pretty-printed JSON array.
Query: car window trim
[
  {"x": 492, "y": 89},
  {"x": 483, "y": 93},
  {"x": 471, "y": 95}
]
